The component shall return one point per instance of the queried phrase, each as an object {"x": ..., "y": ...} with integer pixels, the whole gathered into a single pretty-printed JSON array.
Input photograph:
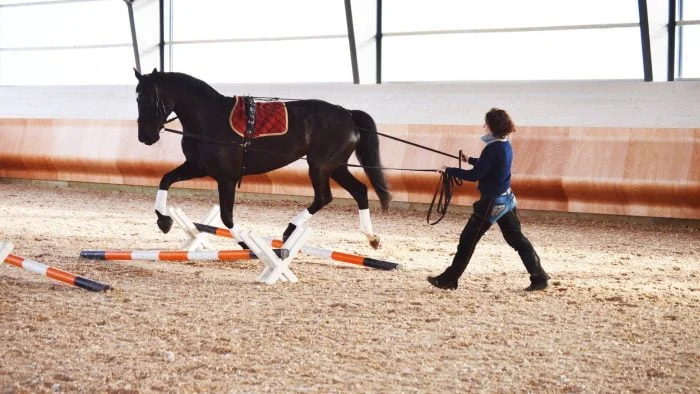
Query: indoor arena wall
[{"x": 622, "y": 148}]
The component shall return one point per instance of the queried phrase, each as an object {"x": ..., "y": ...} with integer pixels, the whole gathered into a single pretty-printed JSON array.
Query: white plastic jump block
[
  {"x": 5, "y": 250},
  {"x": 275, "y": 267},
  {"x": 196, "y": 240}
]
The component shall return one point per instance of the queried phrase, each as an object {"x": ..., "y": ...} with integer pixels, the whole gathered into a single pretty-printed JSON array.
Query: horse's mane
[{"x": 187, "y": 82}]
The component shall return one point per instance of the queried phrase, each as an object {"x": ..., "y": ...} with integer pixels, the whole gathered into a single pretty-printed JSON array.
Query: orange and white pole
[
  {"x": 45, "y": 270},
  {"x": 313, "y": 251},
  {"x": 175, "y": 255}
]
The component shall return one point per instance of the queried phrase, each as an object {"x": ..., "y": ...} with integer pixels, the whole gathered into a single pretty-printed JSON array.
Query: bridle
[{"x": 160, "y": 113}]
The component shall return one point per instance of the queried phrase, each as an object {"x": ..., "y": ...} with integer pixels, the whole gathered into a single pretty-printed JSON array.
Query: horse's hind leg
[
  {"x": 358, "y": 190},
  {"x": 185, "y": 171},
  {"x": 322, "y": 197}
]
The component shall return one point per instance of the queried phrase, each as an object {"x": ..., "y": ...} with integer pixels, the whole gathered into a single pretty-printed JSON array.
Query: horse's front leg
[
  {"x": 227, "y": 195},
  {"x": 186, "y": 170},
  {"x": 227, "y": 198},
  {"x": 322, "y": 197},
  {"x": 225, "y": 164}
]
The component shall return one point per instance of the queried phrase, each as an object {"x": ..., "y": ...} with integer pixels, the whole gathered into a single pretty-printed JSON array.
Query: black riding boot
[
  {"x": 448, "y": 279},
  {"x": 538, "y": 278},
  {"x": 444, "y": 281}
]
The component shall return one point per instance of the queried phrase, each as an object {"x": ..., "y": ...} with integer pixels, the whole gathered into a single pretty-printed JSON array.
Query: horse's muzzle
[{"x": 149, "y": 140}]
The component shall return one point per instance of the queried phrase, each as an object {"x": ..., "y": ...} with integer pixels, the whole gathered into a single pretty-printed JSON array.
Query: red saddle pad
[{"x": 270, "y": 118}]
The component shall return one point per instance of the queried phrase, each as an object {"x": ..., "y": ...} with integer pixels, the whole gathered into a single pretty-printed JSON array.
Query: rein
[
  {"x": 160, "y": 108},
  {"x": 376, "y": 132},
  {"x": 197, "y": 136},
  {"x": 461, "y": 157},
  {"x": 446, "y": 188},
  {"x": 249, "y": 147}
]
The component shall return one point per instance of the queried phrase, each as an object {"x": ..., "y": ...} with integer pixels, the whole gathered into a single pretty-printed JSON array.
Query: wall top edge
[{"x": 534, "y": 103}]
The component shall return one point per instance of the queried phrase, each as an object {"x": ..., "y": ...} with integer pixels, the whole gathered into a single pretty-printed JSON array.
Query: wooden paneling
[{"x": 622, "y": 171}]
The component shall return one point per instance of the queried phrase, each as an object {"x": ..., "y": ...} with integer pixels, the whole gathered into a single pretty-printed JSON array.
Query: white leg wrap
[
  {"x": 366, "y": 223},
  {"x": 161, "y": 202},
  {"x": 301, "y": 218}
]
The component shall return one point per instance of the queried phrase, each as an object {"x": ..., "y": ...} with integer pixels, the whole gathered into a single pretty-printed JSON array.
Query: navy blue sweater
[{"x": 491, "y": 169}]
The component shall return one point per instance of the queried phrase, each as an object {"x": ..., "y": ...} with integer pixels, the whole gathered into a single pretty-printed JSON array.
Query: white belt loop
[{"x": 507, "y": 192}]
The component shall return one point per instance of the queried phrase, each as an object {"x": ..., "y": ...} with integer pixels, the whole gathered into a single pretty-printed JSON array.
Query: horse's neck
[{"x": 194, "y": 110}]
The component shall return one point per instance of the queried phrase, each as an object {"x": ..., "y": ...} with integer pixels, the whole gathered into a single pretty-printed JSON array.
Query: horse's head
[{"x": 153, "y": 107}]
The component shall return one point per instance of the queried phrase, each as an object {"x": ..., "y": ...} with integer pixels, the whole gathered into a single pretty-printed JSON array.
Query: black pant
[{"x": 477, "y": 226}]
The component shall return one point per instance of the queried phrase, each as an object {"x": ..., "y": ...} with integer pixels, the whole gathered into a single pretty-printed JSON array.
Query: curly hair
[{"x": 499, "y": 122}]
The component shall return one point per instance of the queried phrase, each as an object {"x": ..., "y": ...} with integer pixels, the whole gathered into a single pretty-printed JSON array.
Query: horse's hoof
[
  {"x": 374, "y": 242},
  {"x": 165, "y": 223}
]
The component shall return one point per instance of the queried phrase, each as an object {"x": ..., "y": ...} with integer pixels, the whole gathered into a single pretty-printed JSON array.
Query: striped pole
[
  {"x": 54, "y": 273},
  {"x": 176, "y": 255},
  {"x": 313, "y": 251}
]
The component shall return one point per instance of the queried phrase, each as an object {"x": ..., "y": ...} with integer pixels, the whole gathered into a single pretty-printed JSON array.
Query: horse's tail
[{"x": 368, "y": 155}]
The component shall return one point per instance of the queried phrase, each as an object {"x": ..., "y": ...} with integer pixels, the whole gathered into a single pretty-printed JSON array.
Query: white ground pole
[
  {"x": 5, "y": 249},
  {"x": 275, "y": 268}
]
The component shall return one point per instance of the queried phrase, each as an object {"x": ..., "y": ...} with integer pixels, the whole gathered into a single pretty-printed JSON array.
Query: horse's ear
[
  {"x": 137, "y": 74},
  {"x": 155, "y": 70}
]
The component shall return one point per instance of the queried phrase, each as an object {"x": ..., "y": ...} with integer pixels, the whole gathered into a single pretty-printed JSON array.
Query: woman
[{"x": 496, "y": 205}]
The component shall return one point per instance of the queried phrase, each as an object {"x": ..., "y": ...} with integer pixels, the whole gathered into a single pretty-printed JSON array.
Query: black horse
[{"x": 325, "y": 133}]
